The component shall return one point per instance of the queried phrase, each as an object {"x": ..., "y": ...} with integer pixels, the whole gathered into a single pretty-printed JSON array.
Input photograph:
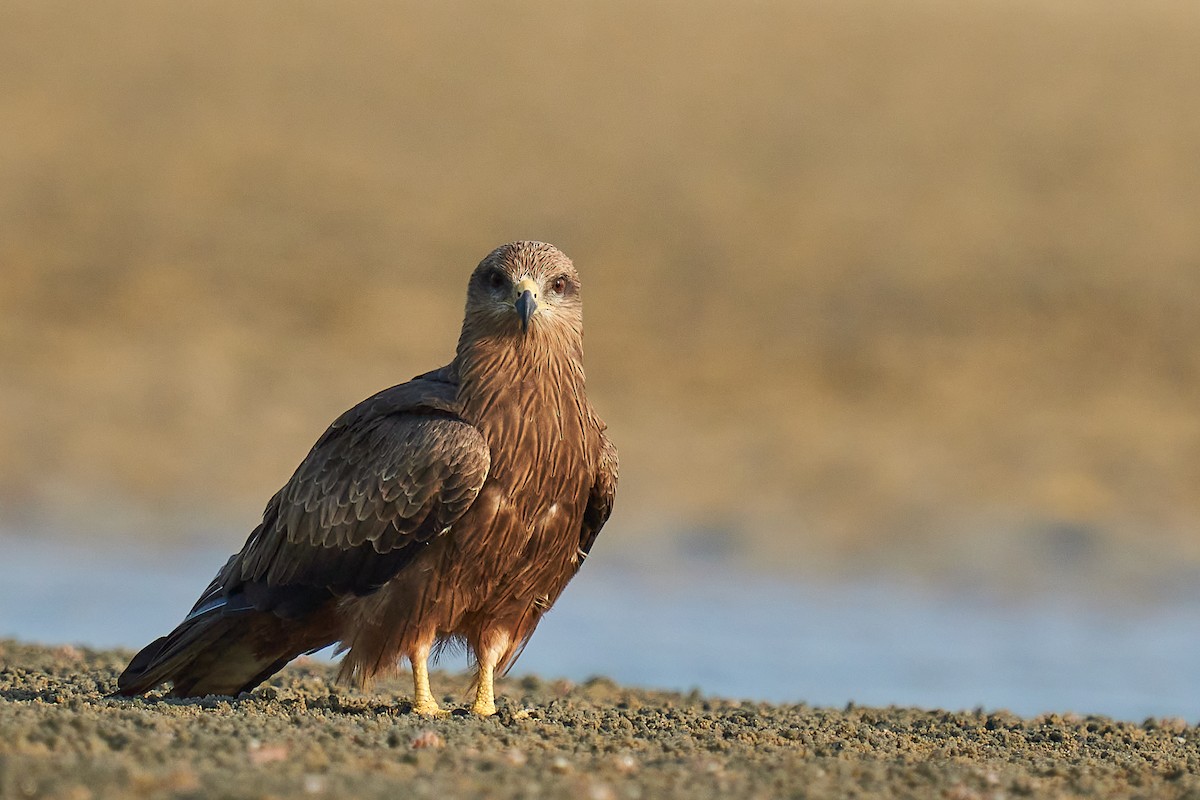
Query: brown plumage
[{"x": 456, "y": 506}]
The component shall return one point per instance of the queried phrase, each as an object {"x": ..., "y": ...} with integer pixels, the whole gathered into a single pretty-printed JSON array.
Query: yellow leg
[
  {"x": 485, "y": 691},
  {"x": 423, "y": 702}
]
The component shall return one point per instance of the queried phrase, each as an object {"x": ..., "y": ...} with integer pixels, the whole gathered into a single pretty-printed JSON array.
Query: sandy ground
[{"x": 301, "y": 735}]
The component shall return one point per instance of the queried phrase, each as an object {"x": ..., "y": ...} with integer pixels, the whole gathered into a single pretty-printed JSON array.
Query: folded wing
[{"x": 387, "y": 478}]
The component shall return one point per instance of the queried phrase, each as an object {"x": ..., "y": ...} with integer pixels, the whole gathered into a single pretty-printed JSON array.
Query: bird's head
[{"x": 523, "y": 290}]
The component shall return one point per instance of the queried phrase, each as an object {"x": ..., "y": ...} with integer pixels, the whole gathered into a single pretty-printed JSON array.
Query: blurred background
[{"x": 893, "y": 310}]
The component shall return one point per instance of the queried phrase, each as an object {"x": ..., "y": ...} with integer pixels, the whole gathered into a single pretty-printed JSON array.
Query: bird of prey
[{"x": 453, "y": 507}]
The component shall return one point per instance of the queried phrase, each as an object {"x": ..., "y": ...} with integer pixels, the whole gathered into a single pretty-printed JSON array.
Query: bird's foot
[
  {"x": 484, "y": 708},
  {"x": 428, "y": 707}
]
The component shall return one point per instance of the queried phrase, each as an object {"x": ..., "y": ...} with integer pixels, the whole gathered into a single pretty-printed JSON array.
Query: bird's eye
[
  {"x": 496, "y": 279},
  {"x": 560, "y": 284}
]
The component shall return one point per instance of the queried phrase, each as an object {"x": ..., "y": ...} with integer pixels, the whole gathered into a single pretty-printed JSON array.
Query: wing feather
[
  {"x": 389, "y": 475},
  {"x": 601, "y": 497},
  {"x": 388, "y": 484}
]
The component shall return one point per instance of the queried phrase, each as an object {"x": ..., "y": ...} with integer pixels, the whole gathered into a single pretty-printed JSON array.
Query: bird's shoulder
[
  {"x": 432, "y": 391},
  {"x": 388, "y": 459},
  {"x": 388, "y": 476}
]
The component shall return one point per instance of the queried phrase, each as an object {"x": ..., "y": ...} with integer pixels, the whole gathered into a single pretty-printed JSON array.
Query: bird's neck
[
  {"x": 525, "y": 369},
  {"x": 517, "y": 386}
]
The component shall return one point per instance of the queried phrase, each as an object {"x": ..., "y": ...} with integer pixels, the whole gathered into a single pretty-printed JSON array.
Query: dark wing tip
[{"x": 132, "y": 681}]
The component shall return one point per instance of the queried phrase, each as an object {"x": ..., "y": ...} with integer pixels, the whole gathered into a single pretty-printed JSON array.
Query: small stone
[
  {"x": 68, "y": 652},
  {"x": 260, "y": 753},
  {"x": 428, "y": 739},
  {"x": 625, "y": 764},
  {"x": 601, "y": 791},
  {"x": 1174, "y": 725}
]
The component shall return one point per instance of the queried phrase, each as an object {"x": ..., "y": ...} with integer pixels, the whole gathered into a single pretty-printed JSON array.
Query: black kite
[{"x": 456, "y": 506}]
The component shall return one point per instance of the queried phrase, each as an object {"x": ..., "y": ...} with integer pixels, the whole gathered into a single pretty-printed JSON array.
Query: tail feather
[{"x": 220, "y": 653}]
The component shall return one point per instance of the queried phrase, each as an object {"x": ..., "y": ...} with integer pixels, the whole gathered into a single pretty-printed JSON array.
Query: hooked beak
[{"x": 526, "y": 302}]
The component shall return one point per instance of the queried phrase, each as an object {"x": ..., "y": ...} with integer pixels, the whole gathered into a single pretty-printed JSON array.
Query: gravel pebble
[{"x": 304, "y": 735}]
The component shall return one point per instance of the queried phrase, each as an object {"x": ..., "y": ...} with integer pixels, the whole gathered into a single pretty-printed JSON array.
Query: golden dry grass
[{"x": 867, "y": 282}]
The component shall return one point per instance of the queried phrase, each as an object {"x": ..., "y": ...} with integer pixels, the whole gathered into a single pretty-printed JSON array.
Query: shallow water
[{"x": 720, "y": 629}]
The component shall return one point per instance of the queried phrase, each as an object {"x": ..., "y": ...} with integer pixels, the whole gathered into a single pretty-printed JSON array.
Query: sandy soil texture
[{"x": 303, "y": 736}]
